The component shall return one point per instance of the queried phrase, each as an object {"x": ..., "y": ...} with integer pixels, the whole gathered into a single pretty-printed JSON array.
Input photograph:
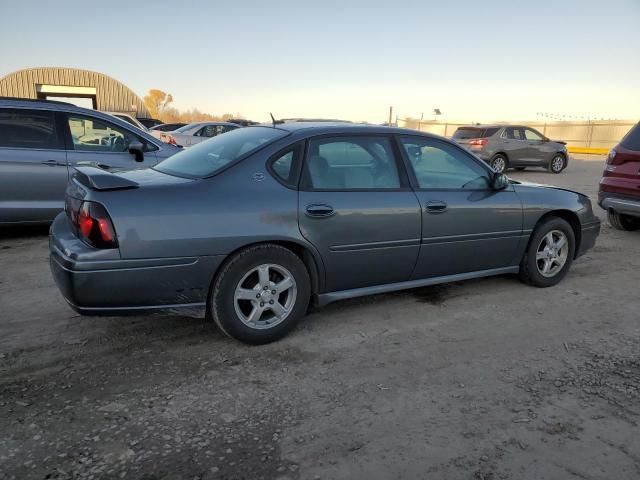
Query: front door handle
[
  {"x": 319, "y": 210},
  {"x": 53, "y": 163},
  {"x": 436, "y": 206}
]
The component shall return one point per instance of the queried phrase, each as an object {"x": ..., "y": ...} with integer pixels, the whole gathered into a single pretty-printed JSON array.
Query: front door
[
  {"x": 536, "y": 146},
  {"x": 466, "y": 225},
  {"x": 356, "y": 207},
  {"x": 33, "y": 166},
  {"x": 515, "y": 146},
  {"x": 94, "y": 141}
]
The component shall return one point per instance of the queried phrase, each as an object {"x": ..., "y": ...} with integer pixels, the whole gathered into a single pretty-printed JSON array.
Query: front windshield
[{"x": 206, "y": 158}]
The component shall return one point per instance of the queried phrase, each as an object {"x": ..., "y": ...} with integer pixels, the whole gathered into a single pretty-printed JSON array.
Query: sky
[{"x": 478, "y": 60}]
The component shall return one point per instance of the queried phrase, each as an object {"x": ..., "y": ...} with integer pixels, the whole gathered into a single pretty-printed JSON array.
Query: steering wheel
[{"x": 117, "y": 144}]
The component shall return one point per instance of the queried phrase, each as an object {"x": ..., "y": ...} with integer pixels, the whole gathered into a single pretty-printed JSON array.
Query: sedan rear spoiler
[{"x": 98, "y": 179}]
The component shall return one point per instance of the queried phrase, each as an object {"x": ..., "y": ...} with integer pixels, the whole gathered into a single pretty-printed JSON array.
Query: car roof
[
  {"x": 319, "y": 128},
  {"x": 54, "y": 105}
]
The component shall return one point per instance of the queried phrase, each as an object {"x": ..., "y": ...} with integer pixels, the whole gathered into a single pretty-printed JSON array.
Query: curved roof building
[{"x": 82, "y": 87}]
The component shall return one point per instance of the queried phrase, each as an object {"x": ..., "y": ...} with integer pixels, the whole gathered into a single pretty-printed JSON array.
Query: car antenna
[{"x": 274, "y": 121}]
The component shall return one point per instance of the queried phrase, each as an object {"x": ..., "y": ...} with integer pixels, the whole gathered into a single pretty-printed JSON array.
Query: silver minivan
[{"x": 41, "y": 142}]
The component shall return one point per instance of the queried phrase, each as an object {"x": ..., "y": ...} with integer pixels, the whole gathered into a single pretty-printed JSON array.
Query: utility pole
[{"x": 390, "y": 114}]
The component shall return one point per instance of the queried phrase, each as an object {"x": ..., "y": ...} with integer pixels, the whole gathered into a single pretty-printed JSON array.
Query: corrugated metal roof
[{"x": 111, "y": 95}]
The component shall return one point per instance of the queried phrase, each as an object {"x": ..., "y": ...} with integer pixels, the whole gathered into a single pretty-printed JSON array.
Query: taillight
[
  {"x": 611, "y": 156},
  {"x": 171, "y": 140},
  {"x": 478, "y": 142},
  {"x": 94, "y": 225}
]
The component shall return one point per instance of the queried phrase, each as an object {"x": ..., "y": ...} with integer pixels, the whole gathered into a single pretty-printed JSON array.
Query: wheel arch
[
  {"x": 306, "y": 253},
  {"x": 570, "y": 217}
]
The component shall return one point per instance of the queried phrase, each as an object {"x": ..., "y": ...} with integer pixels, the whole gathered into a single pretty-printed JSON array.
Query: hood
[{"x": 517, "y": 185}]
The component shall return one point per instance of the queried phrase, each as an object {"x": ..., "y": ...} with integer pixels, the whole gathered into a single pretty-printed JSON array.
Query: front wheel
[
  {"x": 549, "y": 254},
  {"x": 260, "y": 294},
  {"x": 499, "y": 163},
  {"x": 557, "y": 164},
  {"x": 620, "y": 221}
]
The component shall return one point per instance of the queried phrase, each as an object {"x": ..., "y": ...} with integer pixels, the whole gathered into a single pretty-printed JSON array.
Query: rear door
[
  {"x": 515, "y": 145},
  {"x": 33, "y": 166},
  {"x": 356, "y": 207},
  {"x": 94, "y": 141},
  {"x": 466, "y": 225}
]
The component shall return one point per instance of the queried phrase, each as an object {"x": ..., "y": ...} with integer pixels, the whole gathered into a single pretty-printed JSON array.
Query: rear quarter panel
[{"x": 204, "y": 217}]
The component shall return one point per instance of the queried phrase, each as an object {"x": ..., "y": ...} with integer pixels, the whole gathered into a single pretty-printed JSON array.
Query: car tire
[
  {"x": 499, "y": 163},
  {"x": 244, "y": 309},
  {"x": 620, "y": 221},
  {"x": 557, "y": 164},
  {"x": 543, "y": 264}
]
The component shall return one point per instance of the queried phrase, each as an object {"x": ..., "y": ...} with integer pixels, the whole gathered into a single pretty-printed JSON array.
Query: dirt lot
[{"x": 487, "y": 379}]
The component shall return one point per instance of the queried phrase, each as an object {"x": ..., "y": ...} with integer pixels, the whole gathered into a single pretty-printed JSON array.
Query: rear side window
[
  {"x": 28, "y": 129},
  {"x": 471, "y": 133},
  {"x": 513, "y": 133},
  {"x": 631, "y": 140},
  {"x": 207, "y": 158}
]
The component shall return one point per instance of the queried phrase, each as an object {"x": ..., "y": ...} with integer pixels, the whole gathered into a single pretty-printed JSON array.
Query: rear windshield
[
  {"x": 206, "y": 158},
  {"x": 631, "y": 140},
  {"x": 188, "y": 126},
  {"x": 469, "y": 133}
]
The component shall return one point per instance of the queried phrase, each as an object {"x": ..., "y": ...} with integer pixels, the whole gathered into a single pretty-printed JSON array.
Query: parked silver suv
[
  {"x": 513, "y": 146},
  {"x": 42, "y": 141}
]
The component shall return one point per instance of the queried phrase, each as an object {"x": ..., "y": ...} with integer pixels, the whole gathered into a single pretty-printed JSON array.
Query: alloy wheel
[
  {"x": 265, "y": 296},
  {"x": 498, "y": 164},
  {"x": 552, "y": 253},
  {"x": 557, "y": 164}
]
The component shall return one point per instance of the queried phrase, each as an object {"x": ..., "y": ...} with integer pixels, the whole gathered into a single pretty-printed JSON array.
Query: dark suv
[
  {"x": 513, "y": 146},
  {"x": 619, "y": 191}
]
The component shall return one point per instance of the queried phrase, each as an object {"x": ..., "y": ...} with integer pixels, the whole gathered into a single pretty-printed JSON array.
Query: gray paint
[{"x": 175, "y": 232}]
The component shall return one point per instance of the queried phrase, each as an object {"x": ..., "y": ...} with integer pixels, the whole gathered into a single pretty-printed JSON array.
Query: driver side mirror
[
  {"x": 500, "y": 181},
  {"x": 136, "y": 149}
]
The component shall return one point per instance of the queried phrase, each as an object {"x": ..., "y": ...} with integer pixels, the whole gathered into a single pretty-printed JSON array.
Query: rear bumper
[
  {"x": 94, "y": 286},
  {"x": 589, "y": 234},
  {"x": 619, "y": 203}
]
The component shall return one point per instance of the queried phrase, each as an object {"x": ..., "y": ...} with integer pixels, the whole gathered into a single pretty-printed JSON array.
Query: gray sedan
[
  {"x": 252, "y": 226},
  {"x": 513, "y": 146}
]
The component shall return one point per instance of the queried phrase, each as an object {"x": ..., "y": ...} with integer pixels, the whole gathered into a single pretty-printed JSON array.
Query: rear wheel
[
  {"x": 499, "y": 163},
  {"x": 260, "y": 294},
  {"x": 557, "y": 164},
  {"x": 623, "y": 222},
  {"x": 549, "y": 254}
]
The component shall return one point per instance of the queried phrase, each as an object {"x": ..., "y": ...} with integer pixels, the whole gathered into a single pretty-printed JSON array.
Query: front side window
[
  {"x": 90, "y": 134},
  {"x": 207, "y": 158},
  {"x": 28, "y": 129},
  {"x": 530, "y": 134},
  {"x": 439, "y": 165},
  {"x": 358, "y": 163}
]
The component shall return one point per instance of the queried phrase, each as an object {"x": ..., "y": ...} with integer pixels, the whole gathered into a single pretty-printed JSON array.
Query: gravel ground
[{"x": 486, "y": 379}]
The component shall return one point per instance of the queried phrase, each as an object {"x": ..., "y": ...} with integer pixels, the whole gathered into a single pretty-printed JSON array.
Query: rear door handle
[
  {"x": 436, "y": 206},
  {"x": 319, "y": 210}
]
